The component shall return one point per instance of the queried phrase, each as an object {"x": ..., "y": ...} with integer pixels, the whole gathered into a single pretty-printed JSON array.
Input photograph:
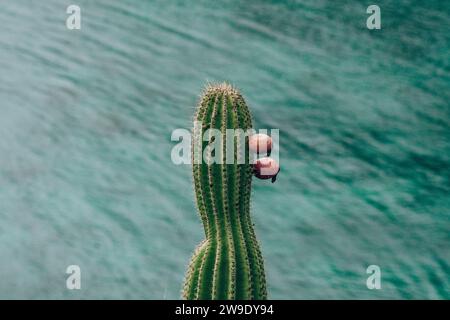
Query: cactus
[{"x": 228, "y": 263}]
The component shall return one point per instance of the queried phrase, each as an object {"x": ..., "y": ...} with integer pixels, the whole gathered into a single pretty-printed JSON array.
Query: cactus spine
[{"x": 228, "y": 263}]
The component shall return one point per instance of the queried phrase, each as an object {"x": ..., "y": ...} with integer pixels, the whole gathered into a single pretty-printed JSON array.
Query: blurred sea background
[{"x": 86, "y": 118}]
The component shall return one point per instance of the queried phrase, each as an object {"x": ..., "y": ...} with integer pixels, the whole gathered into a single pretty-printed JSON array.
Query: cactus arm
[{"x": 190, "y": 286}]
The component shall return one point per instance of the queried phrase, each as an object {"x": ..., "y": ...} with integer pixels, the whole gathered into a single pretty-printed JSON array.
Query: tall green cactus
[{"x": 228, "y": 263}]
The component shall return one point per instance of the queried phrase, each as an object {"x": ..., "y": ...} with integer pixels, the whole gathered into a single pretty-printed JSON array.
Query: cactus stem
[{"x": 228, "y": 263}]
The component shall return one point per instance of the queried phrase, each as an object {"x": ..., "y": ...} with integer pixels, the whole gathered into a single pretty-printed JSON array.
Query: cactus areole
[{"x": 227, "y": 264}]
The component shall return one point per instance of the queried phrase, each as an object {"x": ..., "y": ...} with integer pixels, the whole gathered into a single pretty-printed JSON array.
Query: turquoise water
[{"x": 86, "y": 118}]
